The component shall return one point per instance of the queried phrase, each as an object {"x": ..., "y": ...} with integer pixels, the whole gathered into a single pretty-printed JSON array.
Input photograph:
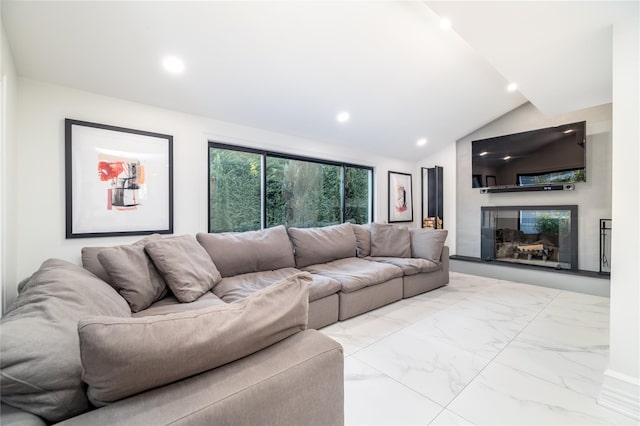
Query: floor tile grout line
[{"x": 499, "y": 352}]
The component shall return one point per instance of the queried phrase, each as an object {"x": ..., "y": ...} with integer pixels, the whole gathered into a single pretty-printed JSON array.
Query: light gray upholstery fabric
[
  {"x": 10, "y": 416},
  {"x": 298, "y": 381},
  {"x": 91, "y": 263},
  {"x": 170, "y": 305},
  {"x": 413, "y": 285},
  {"x": 236, "y": 288},
  {"x": 354, "y": 273},
  {"x": 369, "y": 298},
  {"x": 185, "y": 266},
  {"x": 320, "y": 245},
  {"x": 323, "y": 312},
  {"x": 237, "y": 253},
  {"x": 409, "y": 266},
  {"x": 157, "y": 350},
  {"x": 39, "y": 355},
  {"x": 363, "y": 239},
  {"x": 133, "y": 274},
  {"x": 390, "y": 241},
  {"x": 428, "y": 243}
]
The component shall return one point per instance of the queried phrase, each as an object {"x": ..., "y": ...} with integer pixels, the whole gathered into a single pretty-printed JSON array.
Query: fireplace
[{"x": 544, "y": 236}]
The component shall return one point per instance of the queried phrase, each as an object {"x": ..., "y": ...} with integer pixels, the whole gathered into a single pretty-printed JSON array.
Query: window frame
[{"x": 275, "y": 154}]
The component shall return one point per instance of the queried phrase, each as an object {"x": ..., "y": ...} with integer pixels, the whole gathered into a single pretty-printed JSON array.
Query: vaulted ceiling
[{"x": 291, "y": 67}]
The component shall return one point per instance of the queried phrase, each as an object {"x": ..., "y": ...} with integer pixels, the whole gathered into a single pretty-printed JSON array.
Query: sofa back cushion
[
  {"x": 390, "y": 241},
  {"x": 363, "y": 239},
  {"x": 41, "y": 371},
  {"x": 122, "y": 357},
  {"x": 185, "y": 266},
  {"x": 428, "y": 243},
  {"x": 321, "y": 245},
  {"x": 236, "y": 253}
]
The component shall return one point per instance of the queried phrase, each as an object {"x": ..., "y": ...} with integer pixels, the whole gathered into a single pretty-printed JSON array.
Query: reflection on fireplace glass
[{"x": 541, "y": 236}]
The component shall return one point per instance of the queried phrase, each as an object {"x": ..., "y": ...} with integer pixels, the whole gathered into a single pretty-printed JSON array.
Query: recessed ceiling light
[
  {"x": 512, "y": 87},
  {"x": 482, "y": 154},
  {"x": 506, "y": 158},
  {"x": 568, "y": 131},
  {"x": 421, "y": 142},
  {"x": 343, "y": 117},
  {"x": 173, "y": 64},
  {"x": 445, "y": 24}
]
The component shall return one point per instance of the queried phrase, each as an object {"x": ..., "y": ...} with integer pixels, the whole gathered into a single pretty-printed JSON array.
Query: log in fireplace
[{"x": 535, "y": 235}]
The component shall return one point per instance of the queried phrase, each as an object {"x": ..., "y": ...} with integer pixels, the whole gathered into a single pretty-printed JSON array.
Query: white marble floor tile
[
  {"x": 501, "y": 395},
  {"x": 436, "y": 370},
  {"x": 363, "y": 330},
  {"x": 592, "y": 310},
  {"x": 409, "y": 310},
  {"x": 447, "y": 418},
  {"x": 371, "y": 398},
  {"x": 519, "y": 295},
  {"x": 573, "y": 330},
  {"x": 580, "y": 369},
  {"x": 481, "y": 327}
]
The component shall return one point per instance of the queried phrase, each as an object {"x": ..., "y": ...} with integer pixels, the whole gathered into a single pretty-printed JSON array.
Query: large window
[{"x": 251, "y": 189}]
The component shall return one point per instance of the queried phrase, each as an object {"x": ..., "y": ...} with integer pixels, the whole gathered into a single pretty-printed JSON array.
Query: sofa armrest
[
  {"x": 297, "y": 381},
  {"x": 444, "y": 258}
]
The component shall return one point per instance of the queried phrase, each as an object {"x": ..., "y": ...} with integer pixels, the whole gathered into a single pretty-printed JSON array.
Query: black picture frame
[
  {"x": 118, "y": 181},
  {"x": 400, "y": 199}
]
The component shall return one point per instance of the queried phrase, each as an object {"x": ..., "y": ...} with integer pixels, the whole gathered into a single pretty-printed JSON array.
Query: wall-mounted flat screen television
[{"x": 554, "y": 155}]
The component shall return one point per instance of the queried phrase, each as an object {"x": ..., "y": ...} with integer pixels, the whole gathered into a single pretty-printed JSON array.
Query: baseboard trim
[{"x": 621, "y": 393}]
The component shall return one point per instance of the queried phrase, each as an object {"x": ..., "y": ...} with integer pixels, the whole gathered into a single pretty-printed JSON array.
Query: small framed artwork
[
  {"x": 491, "y": 181},
  {"x": 118, "y": 181},
  {"x": 400, "y": 197}
]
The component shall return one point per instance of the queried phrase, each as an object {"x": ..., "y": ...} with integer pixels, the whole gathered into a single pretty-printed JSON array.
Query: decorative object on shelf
[
  {"x": 491, "y": 181},
  {"x": 400, "y": 197},
  {"x": 432, "y": 197},
  {"x": 605, "y": 246},
  {"x": 118, "y": 181}
]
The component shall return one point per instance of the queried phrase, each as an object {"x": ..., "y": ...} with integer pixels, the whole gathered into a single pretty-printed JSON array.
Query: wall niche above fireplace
[{"x": 545, "y": 236}]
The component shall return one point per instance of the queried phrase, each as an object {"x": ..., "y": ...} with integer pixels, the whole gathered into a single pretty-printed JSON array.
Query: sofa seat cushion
[
  {"x": 323, "y": 244},
  {"x": 170, "y": 305},
  {"x": 236, "y": 253},
  {"x": 126, "y": 356},
  {"x": 354, "y": 273},
  {"x": 232, "y": 289},
  {"x": 40, "y": 365},
  {"x": 409, "y": 266}
]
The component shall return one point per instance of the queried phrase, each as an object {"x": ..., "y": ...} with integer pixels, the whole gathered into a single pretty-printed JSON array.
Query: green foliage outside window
[{"x": 297, "y": 192}]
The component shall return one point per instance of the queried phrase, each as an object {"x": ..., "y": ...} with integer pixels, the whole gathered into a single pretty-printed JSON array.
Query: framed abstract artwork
[
  {"x": 400, "y": 197},
  {"x": 118, "y": 181}
]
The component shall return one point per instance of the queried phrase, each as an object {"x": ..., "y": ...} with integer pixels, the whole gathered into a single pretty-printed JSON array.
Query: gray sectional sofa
[{"x": 215, "y": 329}]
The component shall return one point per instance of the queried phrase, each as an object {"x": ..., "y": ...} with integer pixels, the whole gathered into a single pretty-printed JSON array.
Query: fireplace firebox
[{"x": 545, "y": 236}]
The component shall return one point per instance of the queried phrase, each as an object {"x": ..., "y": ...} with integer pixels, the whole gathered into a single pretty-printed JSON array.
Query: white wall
[
  {"x": 39, "y": 177},
  {"x": 621, "y": 389},
  {"x": 592, "y": 197},
  {"x": 446, "y": 158},
  {"x": 8, "y": 98}
]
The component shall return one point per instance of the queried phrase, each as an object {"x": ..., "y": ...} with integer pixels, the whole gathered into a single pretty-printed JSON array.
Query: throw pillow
[
  {"x": 41, "y": 371},
  {"x": 185, "y": 266},
  {"x": 122, "y": 357},
  {"x": 428, "y": 243},
  {"x": 390, "y": 241},
  {"x": 133, "y": 274}
]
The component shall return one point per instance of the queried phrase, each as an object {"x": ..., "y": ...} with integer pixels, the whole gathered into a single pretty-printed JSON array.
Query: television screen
[{"x": 537, "y": 157}]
